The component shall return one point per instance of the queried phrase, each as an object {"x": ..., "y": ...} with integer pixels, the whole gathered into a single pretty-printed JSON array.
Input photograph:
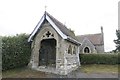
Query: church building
[
  {"x": 92, "y": 43},
  {"x": 55, "y": 48}
]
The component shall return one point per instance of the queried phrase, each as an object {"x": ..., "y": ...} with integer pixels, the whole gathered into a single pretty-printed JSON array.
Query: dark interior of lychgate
[{"x": 47, "y": 53}]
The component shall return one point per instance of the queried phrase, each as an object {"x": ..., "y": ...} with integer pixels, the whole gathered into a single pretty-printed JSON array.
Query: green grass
[
  {"x": 22, "y": 73},
  {"x": 94, "y": 68},
  {"x": 28, "y": 73}
]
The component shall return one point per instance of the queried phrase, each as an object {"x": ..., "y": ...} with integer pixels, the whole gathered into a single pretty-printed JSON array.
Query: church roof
[
  {"x": 58, "y": 26},
  {"x": 96, "y": 39}
]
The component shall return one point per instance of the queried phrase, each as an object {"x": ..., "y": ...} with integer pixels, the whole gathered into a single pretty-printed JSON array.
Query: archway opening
[
  {"x": 86, "y": 50},
  {"x": 70, "y": 49},
  {"x": 47, "y": 53}
]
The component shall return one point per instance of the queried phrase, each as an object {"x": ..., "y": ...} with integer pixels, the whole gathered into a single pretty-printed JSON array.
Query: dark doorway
[
  {"x": 86, "y": 50},
  {"x": 47, "y": 53}
]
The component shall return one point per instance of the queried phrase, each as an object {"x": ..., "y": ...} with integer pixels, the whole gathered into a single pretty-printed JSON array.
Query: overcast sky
[{"x": 82, "y": 16}]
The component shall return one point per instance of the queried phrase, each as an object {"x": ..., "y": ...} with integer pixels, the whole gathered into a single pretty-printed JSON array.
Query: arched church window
[
  {"x": 74, "y": 50},
  {"x": 70, "y": 49},
  {"x": 86, "y": 50}
]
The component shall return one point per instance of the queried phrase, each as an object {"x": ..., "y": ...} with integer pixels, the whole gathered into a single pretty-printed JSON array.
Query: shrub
[
  {"x": 99, "y": 58},
  {"x": 15, "y": 51}
]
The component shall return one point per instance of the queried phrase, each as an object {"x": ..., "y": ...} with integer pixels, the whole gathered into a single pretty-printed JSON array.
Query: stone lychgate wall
[{"x": 65, "y": 61}]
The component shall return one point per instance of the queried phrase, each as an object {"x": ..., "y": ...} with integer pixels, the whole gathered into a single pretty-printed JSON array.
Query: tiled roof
[
  {"x": 58, "y": 26},
  {"x": 96, "y": 39},
  {"x": 62, "y": 27}
]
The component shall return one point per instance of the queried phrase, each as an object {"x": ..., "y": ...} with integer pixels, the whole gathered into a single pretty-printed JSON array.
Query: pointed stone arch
[
  {"x": 47, "y": 53},
  {"x": 74, "y": 50},
  {"x": 69, "y": 49}
]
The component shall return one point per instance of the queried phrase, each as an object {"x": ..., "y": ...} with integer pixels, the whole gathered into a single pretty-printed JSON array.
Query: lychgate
[{"x": 55, "y": 48}]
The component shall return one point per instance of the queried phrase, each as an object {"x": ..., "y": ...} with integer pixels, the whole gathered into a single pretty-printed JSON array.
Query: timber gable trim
[{"x": 49, "y": 18}]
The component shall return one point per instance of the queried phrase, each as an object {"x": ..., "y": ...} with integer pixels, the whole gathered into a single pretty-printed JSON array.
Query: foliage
[
  {"x": 117, "y": 41},
  {"x": 15, "y": 51},
  {"x": 99, "y": 68},
  {"x": 99, "y": 58}
]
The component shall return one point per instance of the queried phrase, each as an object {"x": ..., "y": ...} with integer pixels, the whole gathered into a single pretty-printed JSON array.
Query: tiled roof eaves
[{"x": 56, "y": 27}]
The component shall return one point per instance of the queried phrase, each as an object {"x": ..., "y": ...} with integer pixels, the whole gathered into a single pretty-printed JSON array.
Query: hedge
[
  {"x": 99, "y": 58},
  {"x": 15, "y": 51}
]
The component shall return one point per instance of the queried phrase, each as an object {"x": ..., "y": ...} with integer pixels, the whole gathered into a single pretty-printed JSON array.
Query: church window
[
  {"x": 70, "y": 49},
  {"x": 86, "y": 50}
]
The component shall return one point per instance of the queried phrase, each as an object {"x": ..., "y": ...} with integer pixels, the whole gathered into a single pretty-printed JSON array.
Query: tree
[{"x": 117, "y": 41}]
